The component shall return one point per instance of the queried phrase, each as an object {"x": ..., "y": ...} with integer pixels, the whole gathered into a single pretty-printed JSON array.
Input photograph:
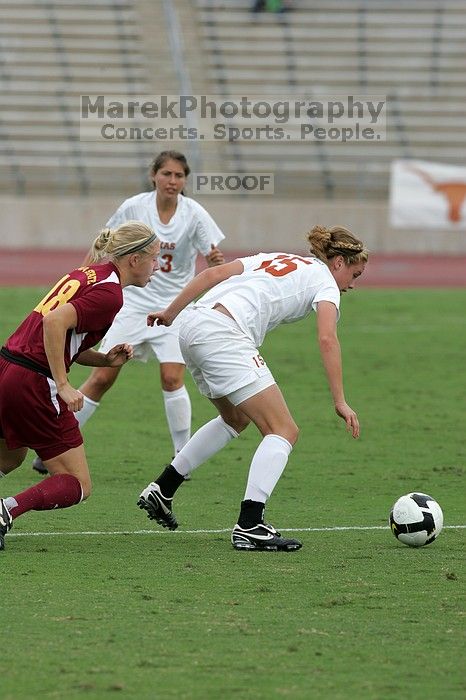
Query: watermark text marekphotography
[
  {"x": 162, "y": 118},
  {"x": 233, "y": 183}
]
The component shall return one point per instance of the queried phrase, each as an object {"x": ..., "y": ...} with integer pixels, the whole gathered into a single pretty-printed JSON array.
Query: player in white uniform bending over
[
  {"x": 220, "y": 337},
  {"x": 184, "y": 229}
]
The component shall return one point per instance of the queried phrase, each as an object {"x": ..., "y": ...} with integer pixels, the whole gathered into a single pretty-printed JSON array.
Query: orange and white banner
[{"x": 427, "y": 195}]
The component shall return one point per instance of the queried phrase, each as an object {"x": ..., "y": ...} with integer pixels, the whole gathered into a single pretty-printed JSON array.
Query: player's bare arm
[
  {"x": 56, "y": 324},
  {"x": 116, "y": 357},
  {"x": 201, "y": 283},
  {"x": 331, "y": 357}
]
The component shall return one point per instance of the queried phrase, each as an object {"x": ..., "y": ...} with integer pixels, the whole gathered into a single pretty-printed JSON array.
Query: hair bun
[
  {"x": 326, "y": 243},
  {"x": 105, "y": 234},
  {"x": 323, "y": 230}
]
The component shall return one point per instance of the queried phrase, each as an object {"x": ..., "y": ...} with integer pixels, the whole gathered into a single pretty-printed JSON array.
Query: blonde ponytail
[{"x": 130, "y": 237}]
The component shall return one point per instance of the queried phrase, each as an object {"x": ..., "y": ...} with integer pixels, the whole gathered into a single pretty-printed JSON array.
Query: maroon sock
[{"x": 57, "y": 491}]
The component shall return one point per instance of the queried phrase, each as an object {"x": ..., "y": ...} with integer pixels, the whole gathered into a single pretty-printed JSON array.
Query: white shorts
[
  {"x": 223, "y": 361},
  {"x": 160, "y": 342}
]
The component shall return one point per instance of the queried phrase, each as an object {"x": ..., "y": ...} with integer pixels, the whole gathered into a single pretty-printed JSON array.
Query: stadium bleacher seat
[
  {"x": 411, "y": 51},
  {"x": 53, "y": 53}
]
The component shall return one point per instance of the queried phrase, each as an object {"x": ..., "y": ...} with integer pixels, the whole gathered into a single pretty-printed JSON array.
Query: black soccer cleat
[
  {"x": 262, "y": 537},
  {"x": 158, "y": 507},
  {"x": 6, "y": 522},
  {"x": 39, "y": 466}
]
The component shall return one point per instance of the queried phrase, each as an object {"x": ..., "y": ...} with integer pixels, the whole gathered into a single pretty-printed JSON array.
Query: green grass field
[{"x": 103, "y": 603}]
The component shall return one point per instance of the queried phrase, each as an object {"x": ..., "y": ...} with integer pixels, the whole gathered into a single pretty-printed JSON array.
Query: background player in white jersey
[
  {"x": 184, "y": 229},
  {"x": 220, "y": 337}
]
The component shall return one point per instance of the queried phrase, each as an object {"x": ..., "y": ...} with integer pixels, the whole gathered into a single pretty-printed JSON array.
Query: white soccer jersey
[
  {"x": 190, "y": 231},
  {"x": 274, "y": 288}
]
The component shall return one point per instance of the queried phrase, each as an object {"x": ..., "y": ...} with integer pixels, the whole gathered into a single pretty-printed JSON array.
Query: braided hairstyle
[
  {"x": 130, "y": 237},
  {"x": 327, "y": 243}
]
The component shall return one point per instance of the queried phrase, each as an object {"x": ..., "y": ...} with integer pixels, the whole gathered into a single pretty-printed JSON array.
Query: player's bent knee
[
  {"x": 86, "y": 487},
  {"x": 86, "y": 490},
  {"x": 101, "y": 384},
  {"x": 292, "y": 434},
  {"x": 237, "y": 420},
  {"x": 242, "y": 423},
  {"x": 171, "y": 382},
  {"x": 11, "y": 463}
]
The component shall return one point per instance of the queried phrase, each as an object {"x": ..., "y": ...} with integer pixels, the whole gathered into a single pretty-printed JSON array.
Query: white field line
[{"x": 99, "y": 533}]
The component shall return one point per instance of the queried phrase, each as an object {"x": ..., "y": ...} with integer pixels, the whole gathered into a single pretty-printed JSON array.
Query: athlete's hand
[
  {"x": 215, "y": 257},
  {"x": 119, "y": 354},
  {"x": 349, "y": 416},
  {"x": 71, "y": 396},
  {"x": 163, "y": 318}
]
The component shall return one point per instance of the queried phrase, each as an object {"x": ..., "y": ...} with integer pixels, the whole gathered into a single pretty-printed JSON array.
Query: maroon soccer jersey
[{"x": 95, "y": 293}]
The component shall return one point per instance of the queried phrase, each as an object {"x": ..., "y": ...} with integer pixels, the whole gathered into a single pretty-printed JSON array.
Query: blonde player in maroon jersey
[
  {"x": 37, "y": 402},
  {"x": 220, "y": 339}
]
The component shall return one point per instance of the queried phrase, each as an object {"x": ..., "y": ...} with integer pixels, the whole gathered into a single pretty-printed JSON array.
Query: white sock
[
  {"x": 10, "y": 503},
  {"x": 266, "y": 468},
  {"x": 178, "y": 412},
  {"x": 1, "y": 475},
  {"x": 205, "y": 442},
  {"x": 87, "y": 410}
]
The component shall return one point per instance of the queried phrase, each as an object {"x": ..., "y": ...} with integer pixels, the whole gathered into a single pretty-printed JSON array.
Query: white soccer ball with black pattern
[{"x": 416, "y": 519}]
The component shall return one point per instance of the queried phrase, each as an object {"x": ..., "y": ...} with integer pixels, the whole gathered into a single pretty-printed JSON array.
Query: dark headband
[{"x": 140, "y": 246}]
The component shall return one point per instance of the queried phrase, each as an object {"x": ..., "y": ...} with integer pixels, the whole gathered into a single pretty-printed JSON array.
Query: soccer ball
[{"x": 416, "y": 519}]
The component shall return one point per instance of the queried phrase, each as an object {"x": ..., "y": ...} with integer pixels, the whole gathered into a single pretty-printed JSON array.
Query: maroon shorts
[{"x": 33, "y": 415}]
